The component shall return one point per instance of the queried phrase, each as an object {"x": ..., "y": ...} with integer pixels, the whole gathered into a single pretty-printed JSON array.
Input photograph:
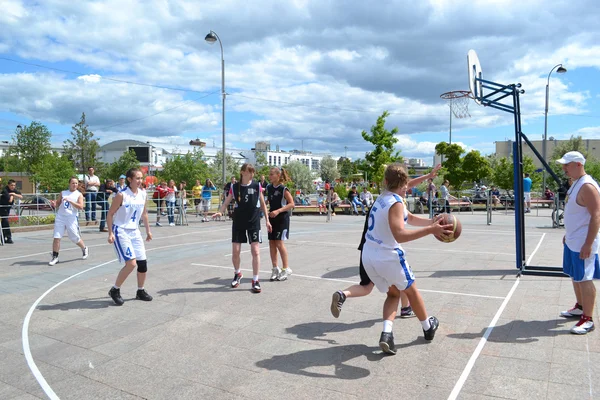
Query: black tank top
[
  {"x": 247, "y": 206},
  {"x": 276, "y": 197}
]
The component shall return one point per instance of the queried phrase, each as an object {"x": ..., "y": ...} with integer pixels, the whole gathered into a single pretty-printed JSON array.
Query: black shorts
[
  {"x": 364, "y": 278},
  {"x": 280, "y": 229},
  {"x": 245, "y": 236},
  {"x": 197, "y": 201}
]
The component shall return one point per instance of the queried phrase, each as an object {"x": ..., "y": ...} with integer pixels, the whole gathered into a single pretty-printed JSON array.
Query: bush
[
  {"x": 341, "y": 191},
  {"x": 32, "y": 220}
]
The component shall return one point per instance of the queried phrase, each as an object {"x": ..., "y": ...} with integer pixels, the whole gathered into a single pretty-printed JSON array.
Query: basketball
[{"x": 449, "y": 219}]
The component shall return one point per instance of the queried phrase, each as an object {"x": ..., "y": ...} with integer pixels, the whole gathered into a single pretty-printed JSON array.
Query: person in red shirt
[{"x": 159, "y": 194}]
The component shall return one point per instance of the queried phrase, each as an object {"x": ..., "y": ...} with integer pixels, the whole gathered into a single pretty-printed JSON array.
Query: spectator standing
[
  {"x": 581, "y": 240},
  {"x": 196, "y": 194},
  {"x": 7, "y": 199},
  {"x": 170, "y": 200},
  {"x": 121, "y": 184},
  {"x": 92, "y": 185},
  {"x": 445, "y": 196},
  {"x": 107, "y": 189},
  {"x": 207, "y": 190},
  {"x": 159, "y": 194},
  {"x": 527, "y": 193}
]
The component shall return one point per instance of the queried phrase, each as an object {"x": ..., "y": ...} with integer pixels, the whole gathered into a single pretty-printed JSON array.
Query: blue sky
[{"x": 298, "y": 73}]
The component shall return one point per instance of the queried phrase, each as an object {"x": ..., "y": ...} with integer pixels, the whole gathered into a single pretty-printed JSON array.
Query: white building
[
  {"x": 5, "y": 145},
  {"x": 154, "y": 155},
  {"x": 279, "y": 158}
]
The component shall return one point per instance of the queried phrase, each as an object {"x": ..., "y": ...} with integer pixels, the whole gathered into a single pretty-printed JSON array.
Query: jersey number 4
[
  {"x": 128, "y": 252},
  {"x": 133, "y": 216}
]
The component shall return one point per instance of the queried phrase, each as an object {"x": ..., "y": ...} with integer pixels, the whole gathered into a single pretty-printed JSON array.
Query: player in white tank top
[
  {"x": 128, "y": 207},
  {"x": 384, "y": 259},
  {"x": 580, "y": 253},
  {"x": 67, "y": 205}
]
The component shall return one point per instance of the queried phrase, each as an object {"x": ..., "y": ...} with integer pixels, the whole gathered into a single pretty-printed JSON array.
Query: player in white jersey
[
  {"x": 581, "y": 240},
  {"x": 67, "y": 206},
  {"x": 128, "y": 207},
  {"x": 384, "y": 259}
]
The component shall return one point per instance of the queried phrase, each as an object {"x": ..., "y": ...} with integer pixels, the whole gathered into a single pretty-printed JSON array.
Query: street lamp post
[
  {"x": 211, "y": 38},
  {"x": 559, "y": 70}
]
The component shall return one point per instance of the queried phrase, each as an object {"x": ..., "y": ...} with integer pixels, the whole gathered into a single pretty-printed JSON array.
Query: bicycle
[{"x": 559, "y": 222}]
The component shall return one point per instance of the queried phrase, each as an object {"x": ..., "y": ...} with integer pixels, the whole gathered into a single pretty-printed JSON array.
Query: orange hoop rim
[{"x": 456, "y": 94}]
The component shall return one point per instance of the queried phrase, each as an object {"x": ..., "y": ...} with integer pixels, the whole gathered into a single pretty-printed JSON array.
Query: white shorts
[
  {"x": 527, "y": 196},
  {"x": 71, "y": 226},
  {"x": 387, "y": 268},
  {"x": 206, "y": 204},
  {"x": 129, "y": 244}
]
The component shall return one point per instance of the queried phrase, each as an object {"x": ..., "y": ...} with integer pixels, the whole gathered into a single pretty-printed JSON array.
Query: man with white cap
[{"x": 581, "y": 240}]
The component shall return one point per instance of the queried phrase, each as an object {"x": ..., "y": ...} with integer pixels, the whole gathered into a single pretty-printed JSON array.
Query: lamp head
[
  {"x": 211, "y": 38},
  {"x": 561, "y": 70}
]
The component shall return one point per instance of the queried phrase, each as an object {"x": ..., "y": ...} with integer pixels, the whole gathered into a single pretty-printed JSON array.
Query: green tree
[
  {"x": 452, "y": 162},
  {"x": 329, "y": 170},
  {"x": 301, "y": 177},
  {"x": 262, "y": 166},
  {"x": 503, "y": 174},
  {"x": 127, "y": 161},
  {"x": 82, "y": 148},
  {"x": 384, "y": 153},
  {"x": 575, "y": 143},
  {"x": 232, "y": 168},
  {"x": 187, "y": 167},
  {"x": 475, "y": 167},
  {"x": 346, "y": 168},
  {"x": 29, "y": 146},
  {"x": 52, "y": 172}
]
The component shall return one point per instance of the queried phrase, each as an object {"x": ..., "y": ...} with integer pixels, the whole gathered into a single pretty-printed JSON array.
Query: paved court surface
[{"x": 200, "y": 339}]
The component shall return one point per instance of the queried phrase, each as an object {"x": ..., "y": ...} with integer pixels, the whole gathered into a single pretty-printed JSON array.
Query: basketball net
[{"x": 458, "y": 101}]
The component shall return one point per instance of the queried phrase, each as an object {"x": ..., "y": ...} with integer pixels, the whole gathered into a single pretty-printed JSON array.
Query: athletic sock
[
  {"x": 55, "y": 254},
  {"x": 387, "y": 326},
  {"x": 426, "y": 324},
  {"x": 116, "y": 287},
  {"x": 254, "y": 277},
  {"x": 237, "y": 271},
  {"x": 141, "y": 288}
]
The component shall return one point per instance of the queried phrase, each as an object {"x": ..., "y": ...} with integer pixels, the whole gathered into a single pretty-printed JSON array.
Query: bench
[
  {"x": 550, "y": 203},
  {"x": 301, "y": 209}
]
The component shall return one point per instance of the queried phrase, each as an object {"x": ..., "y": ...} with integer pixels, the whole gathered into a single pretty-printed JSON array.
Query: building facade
[
  {"x": 504, "y": 149},
  {"x": 278, "y": 158}
]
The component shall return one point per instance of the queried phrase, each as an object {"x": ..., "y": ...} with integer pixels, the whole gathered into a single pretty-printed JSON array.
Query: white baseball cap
[{"x": 572, "y": 156}]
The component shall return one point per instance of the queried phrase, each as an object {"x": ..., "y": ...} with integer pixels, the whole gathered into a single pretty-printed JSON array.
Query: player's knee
[{"x": 142, "y": 266}]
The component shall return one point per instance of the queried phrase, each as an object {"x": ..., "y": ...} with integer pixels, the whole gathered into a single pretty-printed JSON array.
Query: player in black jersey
[
  {"x": 366, "y": 286},
  {"x": 280, "y": 203},
  {"x": 249, "y": 201}
]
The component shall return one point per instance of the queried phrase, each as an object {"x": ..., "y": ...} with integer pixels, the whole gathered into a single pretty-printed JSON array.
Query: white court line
[
  {"x": 25, "y": 331},
  {"x": 347, "y": 281},
  {"x": 465, "y": 374},
  {"x": 99, "y": 245}
]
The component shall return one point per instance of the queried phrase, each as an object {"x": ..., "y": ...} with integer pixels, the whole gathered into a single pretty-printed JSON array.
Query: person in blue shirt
[
  {"x": 527, "y": 193},
  {"x": 207, "y": 190}
]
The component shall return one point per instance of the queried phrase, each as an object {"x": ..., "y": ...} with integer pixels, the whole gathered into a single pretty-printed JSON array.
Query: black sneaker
[
  {"x": 407, "y": 312},
  {"x": 337, "y": 301},
  {"x": 115, "y": 294},
  {"x": 386, "y": 342},
  {"x": 143, "y": 295},
  {"x": 256, "y": 287},
  {"x": 9, "y": 241},
  {"x": 237, "y": 278},
  {"x": 430, "y": 333}
]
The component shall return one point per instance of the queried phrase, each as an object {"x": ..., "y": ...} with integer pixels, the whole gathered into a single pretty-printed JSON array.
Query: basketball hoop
[{"x": 458, "y": 101}]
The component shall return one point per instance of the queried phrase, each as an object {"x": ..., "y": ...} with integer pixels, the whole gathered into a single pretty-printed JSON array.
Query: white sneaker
[
  {"x": 54, "y": 261},
  {"x": 573, "y": 312},
  {"x": 86, "y": 253},
  {"x": 171, "y": 224},
  {"x": 275, "y": 273},
  {"x": 285, "y": 273},
  {"x": 583, "y": 326},
  {"x": 158, "y": 224}
]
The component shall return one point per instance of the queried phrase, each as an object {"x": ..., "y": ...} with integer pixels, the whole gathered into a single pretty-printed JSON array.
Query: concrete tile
[
  {"x": 9, "y": 392},
  {"x": 516, "y": 388},
  {"x": 527, "y": 369},
  {"x": 560, "y": 391}
]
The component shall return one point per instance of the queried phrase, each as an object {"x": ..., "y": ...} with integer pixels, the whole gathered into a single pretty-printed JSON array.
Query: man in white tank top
[{"x": 582, "y": 222}]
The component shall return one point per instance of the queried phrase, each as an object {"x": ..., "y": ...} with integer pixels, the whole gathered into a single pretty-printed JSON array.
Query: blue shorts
[{"x": 580, "y": 270}]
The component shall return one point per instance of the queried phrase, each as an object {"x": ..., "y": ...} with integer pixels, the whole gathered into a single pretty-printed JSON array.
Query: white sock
[
  {"x": 426, "y": 324},
  {"x": 387, "y": 326},
  {"x": 116, "y": 287},
  {"x": 237, "y": 271},
  {"x": 275, "y": 266},
  {"x": 254, "y": 277},
  {"x": 141, "y": 288}
]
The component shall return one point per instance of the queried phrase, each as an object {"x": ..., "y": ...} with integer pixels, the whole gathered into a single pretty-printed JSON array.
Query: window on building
[
  {"x": 315, "y": 164},
  {"x": 279, "y": 160},
  {"x": 270, "y": 160}
]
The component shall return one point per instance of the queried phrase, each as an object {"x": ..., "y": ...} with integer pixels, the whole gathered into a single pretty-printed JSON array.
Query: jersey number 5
[{"x": 372, "y": 218}]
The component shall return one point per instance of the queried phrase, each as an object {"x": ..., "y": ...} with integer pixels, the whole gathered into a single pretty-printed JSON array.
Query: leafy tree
[
  {"x": 82, "y": 148},
  {"x": 127, "y": 161},
  {"x": 384, "y": 153},
  {"x": 232, "y": 168},
  {"x": 301, "y": 177},
  {"x": 29, "y": 146},
  {"x": 329, "y": 171},
  {"x": 346, "y": 167},
  {"x": 592, "y": 165},
  {"x": 52, "y": 172},
  {"x": 452, "y": 162},
  {"x": 503, "y": 174},
  {"x": 475, "y": 167},
  {"x": 187, "y": 167},
  {"x": 262, "y": 166}
]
